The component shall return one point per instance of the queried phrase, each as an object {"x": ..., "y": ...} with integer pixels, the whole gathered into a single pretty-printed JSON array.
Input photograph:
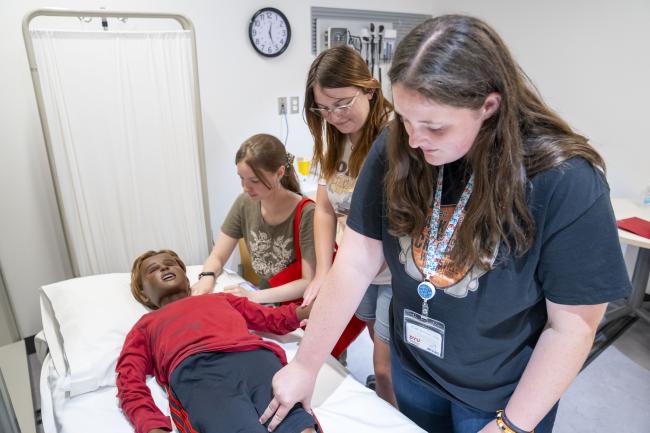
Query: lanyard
[{"x": 436, "y": 248}]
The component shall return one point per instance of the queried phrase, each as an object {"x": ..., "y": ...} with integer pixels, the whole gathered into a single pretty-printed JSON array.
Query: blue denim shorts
[{"x": 374, "y": 306}]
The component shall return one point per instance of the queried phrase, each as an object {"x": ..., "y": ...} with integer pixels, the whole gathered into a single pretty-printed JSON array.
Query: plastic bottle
[{"x": 645, "y": 196}]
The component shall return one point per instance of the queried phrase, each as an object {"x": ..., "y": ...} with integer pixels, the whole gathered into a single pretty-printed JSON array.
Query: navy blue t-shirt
[{"x": 493, "y": 319}]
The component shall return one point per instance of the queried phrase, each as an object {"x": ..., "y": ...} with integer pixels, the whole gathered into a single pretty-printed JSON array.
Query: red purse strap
[{"x": 296, "y": 226}]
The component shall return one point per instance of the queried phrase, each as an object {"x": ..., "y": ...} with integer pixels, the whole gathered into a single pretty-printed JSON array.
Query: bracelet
[
  {"x": 505, "y": 425},
  {"x": 207, "y": 274}
]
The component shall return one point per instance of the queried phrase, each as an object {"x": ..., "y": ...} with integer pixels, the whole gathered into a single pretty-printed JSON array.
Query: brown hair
[
  {"x": 136, "y": 280},
  {"x": 458, "y": 61},
  {"x": 266, "y": 152},
  {"x": 334, "y": 68}
]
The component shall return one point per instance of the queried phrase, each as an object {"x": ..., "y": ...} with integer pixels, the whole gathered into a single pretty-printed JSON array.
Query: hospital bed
[{"x": 85, "y": 321}]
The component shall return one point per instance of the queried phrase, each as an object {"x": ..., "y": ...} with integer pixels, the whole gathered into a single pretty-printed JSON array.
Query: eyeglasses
[{"x": 338, "y": 110}]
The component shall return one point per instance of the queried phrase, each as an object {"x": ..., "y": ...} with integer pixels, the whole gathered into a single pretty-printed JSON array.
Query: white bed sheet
[{"x": 340, "y": 402}]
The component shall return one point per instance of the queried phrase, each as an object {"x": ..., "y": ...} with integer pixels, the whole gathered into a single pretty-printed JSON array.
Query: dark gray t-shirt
[
  {"x": 493, "y": 320},
  {"x": 271, "y": 246}
]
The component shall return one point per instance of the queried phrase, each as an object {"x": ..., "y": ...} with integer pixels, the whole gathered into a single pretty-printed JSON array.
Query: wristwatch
[{"x": 206, "y": 274}]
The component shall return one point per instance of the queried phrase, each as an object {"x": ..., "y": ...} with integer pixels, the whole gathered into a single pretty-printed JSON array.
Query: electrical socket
[
  {"x": 282, "y": 105},
  {"x": 294, "y": 104}
]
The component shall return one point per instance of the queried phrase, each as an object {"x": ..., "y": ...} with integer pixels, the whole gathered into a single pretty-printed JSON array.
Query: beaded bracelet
[{"x": 505, "y": 425}]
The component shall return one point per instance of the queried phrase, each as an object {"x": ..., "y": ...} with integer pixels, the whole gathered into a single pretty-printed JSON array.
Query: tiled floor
[
  {"x": 613, "y": 393},
  {"x": 635, "y": 344}
]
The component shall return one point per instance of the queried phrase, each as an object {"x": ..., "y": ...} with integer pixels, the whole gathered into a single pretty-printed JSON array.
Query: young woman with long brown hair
[
  {"x": 265, "y": 216},
  {"x": 346, "y": 111},
  {"x": 495, "y": 220}
]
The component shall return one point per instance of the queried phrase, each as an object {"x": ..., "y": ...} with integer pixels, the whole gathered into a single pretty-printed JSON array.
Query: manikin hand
[{"x": 237, "y": 290}]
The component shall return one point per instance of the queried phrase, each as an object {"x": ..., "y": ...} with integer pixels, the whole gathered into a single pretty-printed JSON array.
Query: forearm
[
  {"x": 557, "y": 359},
  {"x": 286, "y": 292},
  {"x": 222, "y": 249},
  {"x": 213, "y": 264},
  {"x": 220, "y": 253},
  {"x": 136, "y": 402},
  {"x": 354, "y": 268},
  {"x": 207, "y": 282},
  {"x": 277, "y": 320},
  {"x": 324, "y": 235}
]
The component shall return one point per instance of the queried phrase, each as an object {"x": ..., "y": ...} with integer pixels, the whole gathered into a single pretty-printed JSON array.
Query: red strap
[
  {"x": 354, "y": 327},
  {"x": 296, "y": 226}
]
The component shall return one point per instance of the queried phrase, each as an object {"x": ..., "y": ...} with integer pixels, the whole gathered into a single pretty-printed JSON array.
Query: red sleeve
[
  {"x": 133, "y": 367},
  {"x": 278, "y": 320}
]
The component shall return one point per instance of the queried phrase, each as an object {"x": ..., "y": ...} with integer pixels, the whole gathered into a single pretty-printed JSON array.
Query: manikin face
[
  {"x": 253, "y": 186},
  {"x": 350, "y": 120},
  {"x": 163, "y": 280},
  {"x": 443, "y": 133}
]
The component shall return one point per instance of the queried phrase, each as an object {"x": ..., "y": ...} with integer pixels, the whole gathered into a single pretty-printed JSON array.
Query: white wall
[
  {"x": 239, "y": 90},
  {"x": 590, "y": 61}
]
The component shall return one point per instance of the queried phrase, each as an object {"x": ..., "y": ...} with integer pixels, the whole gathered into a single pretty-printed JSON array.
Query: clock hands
[{"x": 269, "y": 32}]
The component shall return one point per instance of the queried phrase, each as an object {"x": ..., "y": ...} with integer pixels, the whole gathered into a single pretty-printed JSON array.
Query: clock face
[{"x": 269, "y": 32}]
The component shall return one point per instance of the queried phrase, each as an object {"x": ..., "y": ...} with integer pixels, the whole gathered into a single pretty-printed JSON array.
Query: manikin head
[{"x": 158, "y": 278}]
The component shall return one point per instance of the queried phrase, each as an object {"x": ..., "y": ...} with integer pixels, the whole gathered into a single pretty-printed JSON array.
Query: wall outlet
[
  {"x": 294, "y": 104},
  {"x": 282, "y": 105}
]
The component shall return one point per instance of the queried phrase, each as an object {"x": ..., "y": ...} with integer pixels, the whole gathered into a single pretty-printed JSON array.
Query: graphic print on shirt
[
  {"x": 340, "y": 188},
  {"x": 449, "y": 277},
  {"x": 269, "y": 255}
]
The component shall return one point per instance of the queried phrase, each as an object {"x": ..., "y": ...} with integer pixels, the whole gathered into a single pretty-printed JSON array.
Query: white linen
[
  {"x": 85, "y": 322},
  {"x": 341, "y": 405},
  {"x": 96, "y": 411}
]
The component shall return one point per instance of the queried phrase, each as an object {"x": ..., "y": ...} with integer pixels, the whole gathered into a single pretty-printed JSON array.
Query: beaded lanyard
[{"x": 436, "y": 248}]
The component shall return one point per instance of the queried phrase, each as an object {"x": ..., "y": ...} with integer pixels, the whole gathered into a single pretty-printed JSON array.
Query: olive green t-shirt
[{"x": 270, "y": 246}]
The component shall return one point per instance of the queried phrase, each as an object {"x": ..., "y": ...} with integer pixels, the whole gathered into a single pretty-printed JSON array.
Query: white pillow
[{"x": 85, "y": 322}]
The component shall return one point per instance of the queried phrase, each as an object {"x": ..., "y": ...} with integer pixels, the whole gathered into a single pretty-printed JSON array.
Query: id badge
[{"x": 424, "y": 333}]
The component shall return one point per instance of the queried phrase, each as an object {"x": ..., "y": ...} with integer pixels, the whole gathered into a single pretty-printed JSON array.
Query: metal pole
[
  {"x": 8, "y": 421},
  {"x": 8, "y": 310}
]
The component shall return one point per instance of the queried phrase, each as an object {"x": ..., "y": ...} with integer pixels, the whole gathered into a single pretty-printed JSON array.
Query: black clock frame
[{"x": 250, "y": 31}]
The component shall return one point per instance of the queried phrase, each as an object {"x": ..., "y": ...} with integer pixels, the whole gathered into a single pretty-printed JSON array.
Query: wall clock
[{"x": 269, "y": 32}]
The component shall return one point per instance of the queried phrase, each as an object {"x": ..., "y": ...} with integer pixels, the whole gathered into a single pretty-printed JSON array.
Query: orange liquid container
[{"x": 303, "y": 166}]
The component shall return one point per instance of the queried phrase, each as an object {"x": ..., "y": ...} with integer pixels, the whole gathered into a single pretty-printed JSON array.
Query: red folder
[{"x": 635, "y": 225}]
